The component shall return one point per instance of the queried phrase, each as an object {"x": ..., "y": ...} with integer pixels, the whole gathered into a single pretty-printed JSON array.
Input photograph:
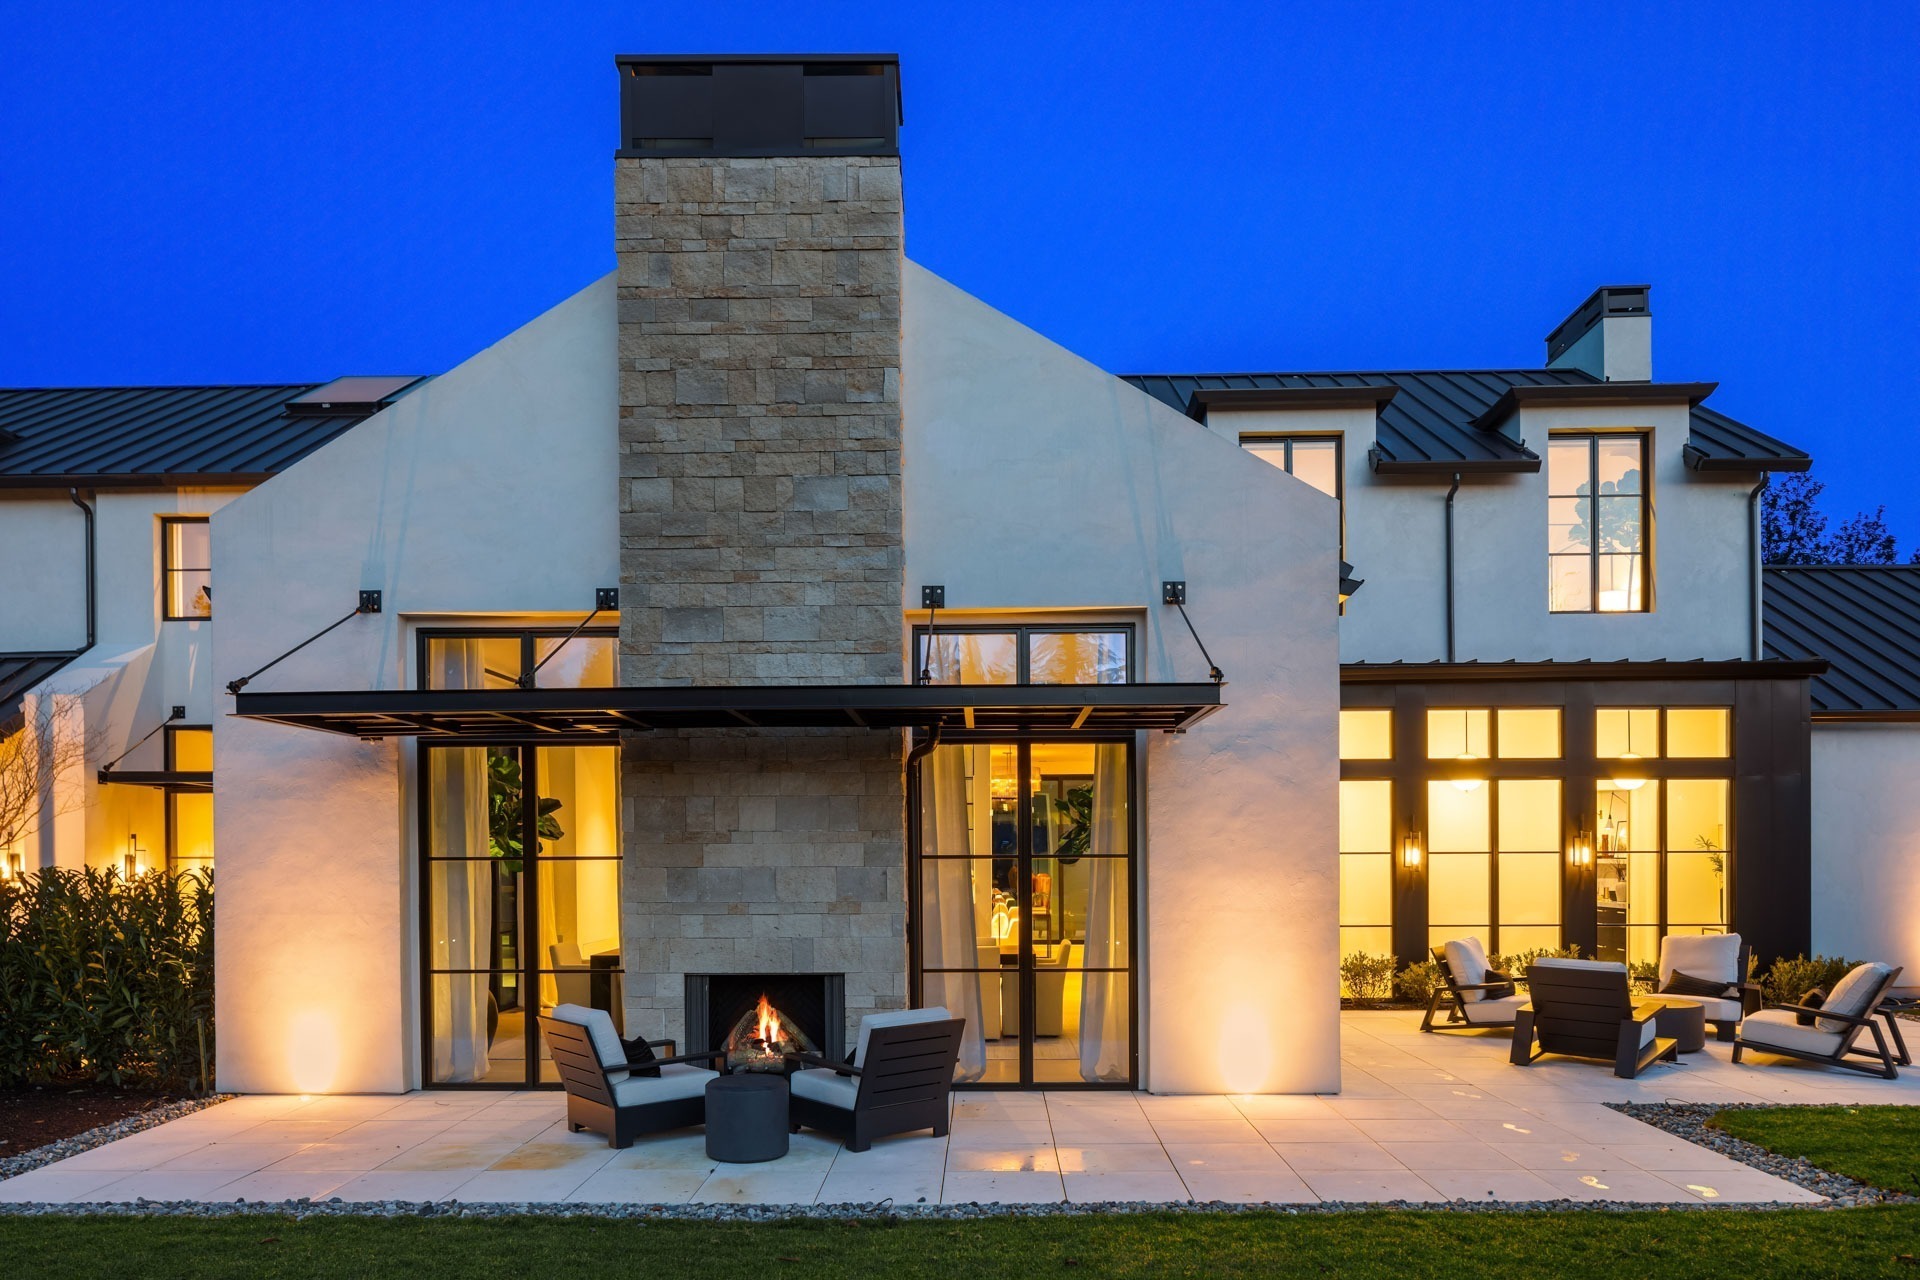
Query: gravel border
[
  {"x": 26, "y": 1161},
  {"x": 1689, "y": 1120}
]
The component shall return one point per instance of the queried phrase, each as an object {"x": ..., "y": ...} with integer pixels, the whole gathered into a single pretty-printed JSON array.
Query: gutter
[
  {"x": 1755, "y": 568},
  {"x": 1450, "y": 492}
]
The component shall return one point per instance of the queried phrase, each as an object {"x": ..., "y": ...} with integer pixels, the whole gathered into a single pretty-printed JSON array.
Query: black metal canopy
[
  {"x": 175, "y": 780},
  {"x": 498, "y": 714}
]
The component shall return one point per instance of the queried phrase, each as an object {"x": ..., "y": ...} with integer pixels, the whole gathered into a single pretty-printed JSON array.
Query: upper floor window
[
  {"x": 1315, "y": 459},
  {"x": 186, "y": 576},
  {"x": 1597, "y": 523},
  {"x": 1026, "y": 655}
]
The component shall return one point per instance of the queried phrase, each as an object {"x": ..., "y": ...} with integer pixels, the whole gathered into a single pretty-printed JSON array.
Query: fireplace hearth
[{"x": 801, "y": 1011}]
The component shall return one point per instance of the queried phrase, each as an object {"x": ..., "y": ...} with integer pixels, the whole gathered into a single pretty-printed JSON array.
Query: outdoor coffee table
[
  {"x": 747, "y": 1117},
  {"x": 1682, "y": 1020}
]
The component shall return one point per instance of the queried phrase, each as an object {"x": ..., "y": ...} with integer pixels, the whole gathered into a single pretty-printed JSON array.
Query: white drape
[
  {"x": 1104, "y": 1022},
  {"x": 461, "y": 893},
  {"x": 952, "y": 929}
]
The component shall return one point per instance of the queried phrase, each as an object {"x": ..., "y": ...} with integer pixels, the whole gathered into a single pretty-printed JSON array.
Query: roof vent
[
  {"x": 1610, "y": 335},
  {"x": 360, "y": 393},
  {"x": 760, "y": 105}
]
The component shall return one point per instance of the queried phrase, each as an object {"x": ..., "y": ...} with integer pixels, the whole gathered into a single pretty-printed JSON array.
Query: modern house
[{"x": 772, "y": 618}]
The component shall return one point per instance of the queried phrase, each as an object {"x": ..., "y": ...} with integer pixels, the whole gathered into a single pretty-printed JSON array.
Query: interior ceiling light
[
  {"x": 1466, "y": 757},
  {"x": 1630, "y": 758}
]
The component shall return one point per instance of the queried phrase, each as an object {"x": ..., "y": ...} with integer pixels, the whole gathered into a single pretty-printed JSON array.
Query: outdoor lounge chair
[
  {"x": 1823, "y": 1027},
  {"x": 1477, "y": 996},
  {"x": 605, "y": 1094},
  {"x": 1716, "y": 958},
  {"x": 1584, "y": 1009},
  {"x": 898, "y": 1081}
]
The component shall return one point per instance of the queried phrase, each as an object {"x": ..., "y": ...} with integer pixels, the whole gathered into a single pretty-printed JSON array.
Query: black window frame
[
  {"x": 1593, "y": 553},
  {"x": 171, "y": 762},
  {"x": 1022, "y": 634},
  {"x": 1291, "y": 438},
  {"x": 168, "y": 569}
]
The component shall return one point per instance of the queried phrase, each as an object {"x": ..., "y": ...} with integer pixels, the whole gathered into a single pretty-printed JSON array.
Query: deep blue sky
[{"x": 232, "y": 193}]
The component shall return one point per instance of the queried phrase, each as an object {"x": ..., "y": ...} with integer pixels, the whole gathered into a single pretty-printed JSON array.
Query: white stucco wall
[
  {"x": 1396, "y": 540},
  {"x": 491, "y": 490},
  {"x": 1866, "y": 844},
  {"x": 1034, "y": 480}
]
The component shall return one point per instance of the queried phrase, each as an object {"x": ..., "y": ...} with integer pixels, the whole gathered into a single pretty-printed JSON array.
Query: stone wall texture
[{"x": 761, "y": 543}]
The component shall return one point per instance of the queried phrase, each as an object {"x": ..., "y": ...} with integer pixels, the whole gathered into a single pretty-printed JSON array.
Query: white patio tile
[
  {"x": 765, "y": 1185},
  {"x": 1612, "y": 1184},
  {"x": 900, "y": 1152},
  {"x": 301, "y": 1131},
  {"x": 272, "y": 1185},
  {"x": 1189, "y": 1108},
  {"x": 1306, "y": 1158},
  {"x": 55, "y": 1185},
  {"x": 240, "y": 1157},
  {"x": 1096, "y": 1188},
  {"x": 1371, "y": 1186},
  {"x": 1518, "y": 1129},
  {"x": 418, "y": 1185},
  {"x": 1395, "y": 1108},
  {"x": 1489, "y": 1184},
  {"x": 498, "y": 1186},
  {"x": 1577, "y": 1158},
  {"x": 1040, "y": 1158},
  {"x": 1739, "y": 1184},
  {"x": 198, "y": 1184},
  {"x": 903, "y": 1187},
  {"x": 1128, "y": 1157},
  {"x": 680, "y": 1152},
  {"x": 1676, "y": 1155},
  {"x": 1219, "y": 1157},
  {"x": 348, "y": 1157},
  {"x": 1002, "y": 1188},
  {"x": 1309, "y": 1131},
  {"x": 437, "y": 1155},
  {"x": 1247, "y": 1186},
  {"x": 1238, "y": 1129},
  {"x": 999, "y": 1133},
  {"x": 1458, "y": 1155},
  {"x": 1427, "y": 1128},
  {"x": 639, "y": 1186},
  {"x": 1287, "y": 1106},
  {"x": 124, "y": 1156}
]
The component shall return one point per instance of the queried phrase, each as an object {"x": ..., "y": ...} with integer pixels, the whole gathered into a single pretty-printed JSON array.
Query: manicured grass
[
  {"x": 1681, "y": 1245},
  {"x": 1876, "y": 1145}
]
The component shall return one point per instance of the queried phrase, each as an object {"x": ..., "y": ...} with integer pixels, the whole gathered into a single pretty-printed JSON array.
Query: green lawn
[
  {"x": 1404, "y": 1246},
  {"x": 1876, "y": 1145}
]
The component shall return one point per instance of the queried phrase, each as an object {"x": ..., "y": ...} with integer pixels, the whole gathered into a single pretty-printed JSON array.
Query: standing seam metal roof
[
  {"x": 1430, "y": 421},
  {"x": 128, "y": 434},
  {"x": 1863, "y": 619}
]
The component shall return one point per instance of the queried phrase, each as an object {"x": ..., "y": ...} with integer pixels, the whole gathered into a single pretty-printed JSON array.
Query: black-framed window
[
  {"x": 1597, "y": 522},
  {"x": 495, "y": 657},
  {"x": 985, "y": 654},
  {"x": 1317, "y": 460},
  {"x": 189, "y": 749},
  {"x": 186, "y": 568}
]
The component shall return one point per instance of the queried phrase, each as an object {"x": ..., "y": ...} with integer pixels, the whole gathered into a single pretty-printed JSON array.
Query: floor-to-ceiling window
[{"x": 521, "y": 866}]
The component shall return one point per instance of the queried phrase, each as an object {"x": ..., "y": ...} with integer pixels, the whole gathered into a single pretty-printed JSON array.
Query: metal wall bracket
[
  {"x": 606, "y": 599},
  {"x": 179, "y": 713},
  {"x": 369, "y": 602},
  {"x": 1173, "y": 593},
  {"x": 934, "y": 597}
]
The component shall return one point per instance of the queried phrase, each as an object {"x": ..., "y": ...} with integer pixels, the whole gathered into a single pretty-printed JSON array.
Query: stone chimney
[
  {"x": 758, "y": 230},
  {"x": 1610, "y": 335}
]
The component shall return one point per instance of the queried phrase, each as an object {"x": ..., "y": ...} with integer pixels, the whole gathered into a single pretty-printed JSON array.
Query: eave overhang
[
  {"x": 161, "y": 779},
  {"x": 1523, "y": 461},
  {"x": 1581, "y": 669},
  {"x": 1595, "y": 394},
  {"x": 501, "y": 714},
  {"x": 1698, "y": 459},
  {"x": 1367, "y": 397}
]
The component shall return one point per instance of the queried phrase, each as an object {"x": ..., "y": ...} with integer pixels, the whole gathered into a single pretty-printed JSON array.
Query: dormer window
[
  {"x": 1597, "y": 523},
  {"x": 186, "y": 578}
]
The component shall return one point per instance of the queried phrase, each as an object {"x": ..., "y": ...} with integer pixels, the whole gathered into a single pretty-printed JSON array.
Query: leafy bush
[
  {"x": 1788, "y": 980},
  {"x": 1417, "y": 982},
  {"x": 107, "y": 979},
  {"x": 1644, "y": 975},
  {"x": 1515, "y": 965},
  {"x": 1364, "y": 976}
]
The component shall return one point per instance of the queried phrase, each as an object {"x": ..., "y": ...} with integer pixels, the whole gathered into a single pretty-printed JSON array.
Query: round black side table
[
  {"x": 747, "y": 1117},
  {"x": 1684, "y": 1021}
]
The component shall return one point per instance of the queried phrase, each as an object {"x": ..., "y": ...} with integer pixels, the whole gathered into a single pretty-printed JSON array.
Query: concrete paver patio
[{"x": 1419, "y": 1118}]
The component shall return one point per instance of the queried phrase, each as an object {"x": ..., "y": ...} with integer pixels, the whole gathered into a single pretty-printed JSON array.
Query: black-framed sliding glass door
[{"x": 1023, "y": 908}]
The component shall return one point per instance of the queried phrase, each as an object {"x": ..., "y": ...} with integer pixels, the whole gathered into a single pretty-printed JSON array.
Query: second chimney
[{"x": 1610, "y": 335}]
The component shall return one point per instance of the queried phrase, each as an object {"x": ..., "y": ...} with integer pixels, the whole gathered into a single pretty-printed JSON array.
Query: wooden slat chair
[
  {"x": 604, "y": 1094},
  {"x": 1584, "y": 1009},
  {"x": 898, "y": 1081},
  {"x": 1477, "y": 997},
  {"x": 1835, "y": 1023},
  {"x": 1718, "y": 958}
]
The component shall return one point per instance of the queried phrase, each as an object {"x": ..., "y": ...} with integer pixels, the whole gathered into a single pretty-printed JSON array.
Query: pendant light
[
  {"x": 1630, "y": 783},
  {"x": 1466, "y": 755}
]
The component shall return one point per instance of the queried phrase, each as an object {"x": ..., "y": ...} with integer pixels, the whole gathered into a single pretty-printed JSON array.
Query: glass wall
[{"x": 189, "y": 813}]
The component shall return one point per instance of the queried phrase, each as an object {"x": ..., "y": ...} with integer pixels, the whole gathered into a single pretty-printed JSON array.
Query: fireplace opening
[{"x": 757, "y": 1017}]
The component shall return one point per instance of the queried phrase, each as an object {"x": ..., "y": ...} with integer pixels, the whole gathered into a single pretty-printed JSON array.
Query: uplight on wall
[{"x": 1410, "y": 848}]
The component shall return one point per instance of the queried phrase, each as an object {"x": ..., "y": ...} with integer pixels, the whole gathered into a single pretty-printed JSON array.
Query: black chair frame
[
  {"x": 1453, "y": 992},
  {"x": 1587, "y": 1013},
  {"x": 905, "y": 1075},
  {"x": 1888, "y": 1060},
  {"x": 1751, "y": 997},
  {"x": 590, "y": 1103}
]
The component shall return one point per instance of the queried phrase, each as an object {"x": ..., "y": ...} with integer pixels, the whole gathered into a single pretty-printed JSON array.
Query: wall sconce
[
  {"x": 1580, "y": 852},
  {"x": 133, "y": 857},
  {"x": 1410, "y": 848},
  {"x": 14, "y": 867}
]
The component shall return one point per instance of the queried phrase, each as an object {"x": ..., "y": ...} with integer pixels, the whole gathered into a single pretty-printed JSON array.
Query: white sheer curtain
[
  {"x": 1104, "y": 1023},
  {"x": 461, "y": 893},
  {"x": 953, "y": 928}
]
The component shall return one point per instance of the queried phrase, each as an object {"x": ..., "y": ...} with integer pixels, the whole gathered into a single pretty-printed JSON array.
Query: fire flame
[{"x": 766, "y": 1025}]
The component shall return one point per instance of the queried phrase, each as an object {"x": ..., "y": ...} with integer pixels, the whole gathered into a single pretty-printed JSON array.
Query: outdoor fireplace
[{"x": 758, "y": 1017}]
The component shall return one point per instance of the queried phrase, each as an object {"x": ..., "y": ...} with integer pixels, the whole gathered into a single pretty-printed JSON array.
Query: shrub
[
  {"x": 1788, "y": 980},
  {"x": 107, "y": 979},
  {"x": 1417, "y": 982},
  {"x": 1644, "y": 975},
  {"x": 1515, "y": 965},
  {"x": 1364, "y": 976}
]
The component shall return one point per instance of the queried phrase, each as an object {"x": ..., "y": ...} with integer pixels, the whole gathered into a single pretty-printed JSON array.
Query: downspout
[
  {"x": 914, "y": 757},
  {"x": 1753, "y": 583},
  {"x": 74, "y": 496},
  {"x": 1455, "y": 489}
]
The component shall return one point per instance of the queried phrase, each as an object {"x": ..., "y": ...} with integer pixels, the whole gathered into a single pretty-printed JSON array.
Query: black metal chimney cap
[
  {"x": 826, "y": 104},
  {"x": 1607, "y": 300}
]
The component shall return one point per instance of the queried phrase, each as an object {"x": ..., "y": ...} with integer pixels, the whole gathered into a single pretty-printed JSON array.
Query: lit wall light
[
  {"x": 134, "y": 851},
  {"x": 1410, "y": 848},
  {"x": 1580, "y": 852}
]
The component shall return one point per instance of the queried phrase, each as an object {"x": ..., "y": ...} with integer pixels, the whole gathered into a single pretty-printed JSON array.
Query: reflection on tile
[
  {"x": 1002, "y": 1188},
  {"x": 1030, "y": 1159},
  {"x": 272, "y": 1185},
  {"x": 1132, "y": 1157}
]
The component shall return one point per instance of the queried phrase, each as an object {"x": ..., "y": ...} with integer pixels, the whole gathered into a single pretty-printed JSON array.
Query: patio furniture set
[
  {"x": 1586, "y": 1009},
  {"x": 896, "y": 1081}
]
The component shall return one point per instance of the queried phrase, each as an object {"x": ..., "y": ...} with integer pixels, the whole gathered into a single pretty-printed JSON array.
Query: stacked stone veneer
[{"x": 760, "y": 543}]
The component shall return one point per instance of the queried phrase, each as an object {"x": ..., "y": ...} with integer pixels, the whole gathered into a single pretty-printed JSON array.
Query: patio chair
[
  {"x": 607, "y": 1093},
  {"x": 1477, "y": 996},
  {"x": 898, "y": 1080},
  {"x": 1825, "y": 1026},
  {"x": 1712, "y": 972},
  {"x": 1584, "y": 1009}
]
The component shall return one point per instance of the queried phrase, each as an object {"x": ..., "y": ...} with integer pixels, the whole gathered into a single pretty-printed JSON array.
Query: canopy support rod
[
  {"x": 605, "y": 599},
  {"x": 369, "y": 603},
  {"x": 178, "y": 713},
  {"x": 1175, "y": 594}
]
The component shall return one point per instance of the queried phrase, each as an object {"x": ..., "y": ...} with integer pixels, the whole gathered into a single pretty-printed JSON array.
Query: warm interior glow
[
  {"x": 1629, "y": 783},
  {"x": 1466, "y": 784},
  {"x": 313, "y": 1052}
]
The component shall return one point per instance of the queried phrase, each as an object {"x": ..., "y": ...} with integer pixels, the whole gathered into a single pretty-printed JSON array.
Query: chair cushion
[
  {"x": 674, "y": 1082},
  {"x": 895, "y": 1018},
  {"x": 1598, "y": 966},
  {"x": 1467, "y": 962},
  {"x": 599, "y": 1028},
  {"x": 1718, "y": 1009},
  {"x": 1714, "y": 956},
  {"x": 1681, "y": 983},
  {"x": 1777, "y": 1027},
  {"x": 1852, "y": 994},
  {"x": 1502, "y": 1009},
  {"x": 639, "y": 1051},
  {"x": 822, "y": 1085}
]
